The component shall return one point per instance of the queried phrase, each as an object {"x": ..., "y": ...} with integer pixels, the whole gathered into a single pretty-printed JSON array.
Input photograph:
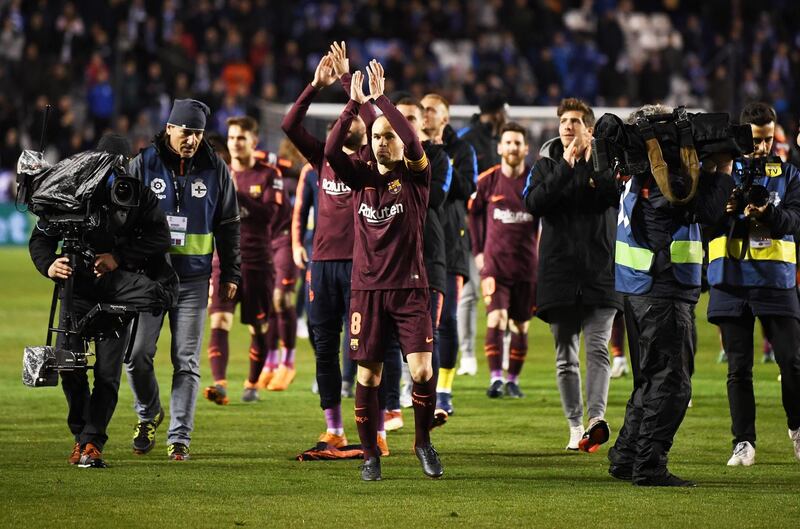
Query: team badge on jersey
[
  {"x": 394, "y": 186},
  {"x": 255, "y": 190},
  {"x": 199, "y": 189},
  {"x": 354, "y": 344},
  {"x": 157, "y": 186}
]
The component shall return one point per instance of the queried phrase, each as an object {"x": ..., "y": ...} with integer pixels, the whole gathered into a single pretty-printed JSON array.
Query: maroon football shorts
[
  {"x": 517, "y": 297},
  {"x": 254, "y": 294},
  {"x": 375, "y": 316},
  {"x": 285, "y": 269}
]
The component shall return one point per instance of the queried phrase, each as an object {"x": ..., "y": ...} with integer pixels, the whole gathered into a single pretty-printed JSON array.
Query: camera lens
[
  {"x": 758, "y": 196},
  {"x": 124, "y": 193}
]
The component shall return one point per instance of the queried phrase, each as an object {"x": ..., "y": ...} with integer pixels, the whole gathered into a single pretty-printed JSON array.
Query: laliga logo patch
[
  {"x": 158, "y": 185},
  {"x": 773, "y": 169},
  {"x": 199, "y": 189},
  {"x": 354, "y": 344},
  {"x": 394, "y": 186}
]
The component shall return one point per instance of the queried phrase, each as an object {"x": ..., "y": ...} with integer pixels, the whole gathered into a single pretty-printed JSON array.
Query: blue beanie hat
[{"x": 189, "y": 114}]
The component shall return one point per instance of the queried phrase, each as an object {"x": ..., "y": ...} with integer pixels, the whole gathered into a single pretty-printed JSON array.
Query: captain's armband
[{"x": 419, "y": 165}]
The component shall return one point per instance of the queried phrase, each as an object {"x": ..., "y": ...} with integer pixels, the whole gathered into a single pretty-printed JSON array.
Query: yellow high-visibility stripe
[
  {"x": 632, "y": 257},
  {"x": 779, "y": 250},
  {"x": 686, "y": 252},
  {"x": 196, "y": 244}
]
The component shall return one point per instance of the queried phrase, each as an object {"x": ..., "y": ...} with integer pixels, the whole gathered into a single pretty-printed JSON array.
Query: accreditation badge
[{"x": 177, "y": 229}]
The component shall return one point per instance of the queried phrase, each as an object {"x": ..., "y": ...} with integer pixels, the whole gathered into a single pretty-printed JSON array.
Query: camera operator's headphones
[{"x": 690, "y": 164}]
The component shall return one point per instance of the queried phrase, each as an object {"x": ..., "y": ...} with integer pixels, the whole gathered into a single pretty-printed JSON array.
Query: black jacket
[
  {"x": 433, "y": 237},
  {"x": 454, "y": 213},
  {"x": 576, "y": 245},
  {"x": 480, "y": 136},
  {"x": 139, "y": 244}
]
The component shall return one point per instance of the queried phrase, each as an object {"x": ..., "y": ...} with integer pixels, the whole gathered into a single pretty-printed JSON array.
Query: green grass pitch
[{"x": 505, "y": 463}]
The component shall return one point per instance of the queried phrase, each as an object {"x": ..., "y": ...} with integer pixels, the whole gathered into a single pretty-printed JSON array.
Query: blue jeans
[{"x": 186, "y": 324}]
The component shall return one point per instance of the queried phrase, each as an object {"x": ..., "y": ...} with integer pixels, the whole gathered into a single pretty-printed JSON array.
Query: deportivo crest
[
  {"x": 199, "y": 189},
  {"x": 354, "y": 344},
  {"x": 395, "y": 186},
  {"x": 157, "y": 186}
]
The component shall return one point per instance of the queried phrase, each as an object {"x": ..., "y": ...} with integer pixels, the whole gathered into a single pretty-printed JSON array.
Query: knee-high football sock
[
  {"x": 493, "y": 346},
  {"x": 517, "y": 352},
  {"x": 423, "y": 397},
  {"x": 258, "y": 355},
  {"x": 218, "y": 354},
  {"x": 367, "y": 415}
]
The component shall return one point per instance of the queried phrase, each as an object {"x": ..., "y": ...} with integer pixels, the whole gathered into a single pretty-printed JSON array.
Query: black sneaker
[
  {"x": 429, "y": 458},
  {"x": 144, "y": 434},
  {"x": 620, "y": 473},
  {"x": 371, "y": 469},
  {"x": 91, "y": 457},
  {"x": 178, "y": 452},
  {"x": 495, "y": 391},
  {"x": 513, "y": 391},
  {"x": 667, "y": 480}
]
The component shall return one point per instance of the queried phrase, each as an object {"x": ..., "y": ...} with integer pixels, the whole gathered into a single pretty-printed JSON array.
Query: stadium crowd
[{"x": 118, "y": 64}]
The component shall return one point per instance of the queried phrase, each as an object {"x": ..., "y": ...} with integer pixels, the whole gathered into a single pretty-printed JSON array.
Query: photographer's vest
[
  {"x": 633, "y": 262},
  {"x": 192, "y": 249},
  {"x": 764, "y": 262}
]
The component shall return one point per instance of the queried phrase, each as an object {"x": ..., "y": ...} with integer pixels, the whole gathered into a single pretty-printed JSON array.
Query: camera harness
[{"x": 690, "y": 164}]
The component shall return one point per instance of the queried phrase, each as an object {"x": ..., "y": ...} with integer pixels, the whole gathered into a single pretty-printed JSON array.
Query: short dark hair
[
  {"x": 246, "y": 123},
  {"x": 578, "y": 105},
  {"x": 758, "y": 113},
  {"x": 409, "y": 100},
  {"x": 512, "y": 126},
  {"x": 492, "y": 102}
]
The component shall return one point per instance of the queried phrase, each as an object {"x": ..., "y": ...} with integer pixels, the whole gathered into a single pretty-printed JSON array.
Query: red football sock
[
  {"x": 423, "y": 397},
  {"x": 493, "y": 346},
  {"x": 516, "y": 354},
  {"x": 218, "y": 353},
  {"x": 258, "y": 354},
  {"x": 367, "y": 415}
]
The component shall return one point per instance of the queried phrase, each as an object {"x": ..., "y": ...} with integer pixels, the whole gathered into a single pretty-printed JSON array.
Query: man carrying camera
[
  {"x": 658, "y": 262},
  {"x": 752, "y": 270},
  {"x": 195, "y": 190},
  {"x": 122, "y": 262}
]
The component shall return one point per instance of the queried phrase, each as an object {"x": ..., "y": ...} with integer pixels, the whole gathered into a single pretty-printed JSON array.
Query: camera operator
[
  {"x": 196, "y": 191},
  {"x": 127, "y": 243},
  {"x": 752, "y": 272},
  {"x": 658, "y": 262}
]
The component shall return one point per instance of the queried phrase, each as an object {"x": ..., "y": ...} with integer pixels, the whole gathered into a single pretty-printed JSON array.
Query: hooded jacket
[
  {"x": 578, "y": 211},
  {"x": 454, "y": 212}
]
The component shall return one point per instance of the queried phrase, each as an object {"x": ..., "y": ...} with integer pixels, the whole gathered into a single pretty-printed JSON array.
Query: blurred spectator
[{"x": 717, "y": 55}]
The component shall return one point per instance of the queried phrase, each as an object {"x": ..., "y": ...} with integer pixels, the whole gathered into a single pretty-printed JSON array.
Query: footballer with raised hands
[{"x": 389, "y": 284}]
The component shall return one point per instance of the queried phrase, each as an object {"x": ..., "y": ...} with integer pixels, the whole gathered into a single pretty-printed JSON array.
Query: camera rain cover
[
  {"x": 33, "y": 361},
  {"x": 70, "y": 184}
]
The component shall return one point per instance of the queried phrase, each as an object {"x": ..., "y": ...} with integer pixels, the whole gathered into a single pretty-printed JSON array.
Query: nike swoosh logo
[
  {"x": 497, "y": 198},
  {"x": 428, "y": 340}
]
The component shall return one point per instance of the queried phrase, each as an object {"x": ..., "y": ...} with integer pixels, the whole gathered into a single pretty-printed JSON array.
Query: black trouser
[
  {"x": 661, "y": 339},
  {"x": 90, "y": 412},
  {"x": 783, "y": 333}
]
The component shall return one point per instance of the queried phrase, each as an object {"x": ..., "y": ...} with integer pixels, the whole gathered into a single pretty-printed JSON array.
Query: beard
[{"x": 354, "y": 140}]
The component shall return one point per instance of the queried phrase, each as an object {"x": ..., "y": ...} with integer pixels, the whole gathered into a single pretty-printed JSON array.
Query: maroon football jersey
[
  {"x": 389, "y": 216},
  {"x": 502, "y": 229},
  {"x": 281, "y": 223},
  {"x": 258, "y": 205}
]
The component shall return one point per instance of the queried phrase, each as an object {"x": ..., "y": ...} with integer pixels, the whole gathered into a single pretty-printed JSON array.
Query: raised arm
[
  {"x": 413, "y": 147},
  {"x": 341, "y": 68},
  {"x": 309, "y": 146},
  {"x": 345, "y": 167}
]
